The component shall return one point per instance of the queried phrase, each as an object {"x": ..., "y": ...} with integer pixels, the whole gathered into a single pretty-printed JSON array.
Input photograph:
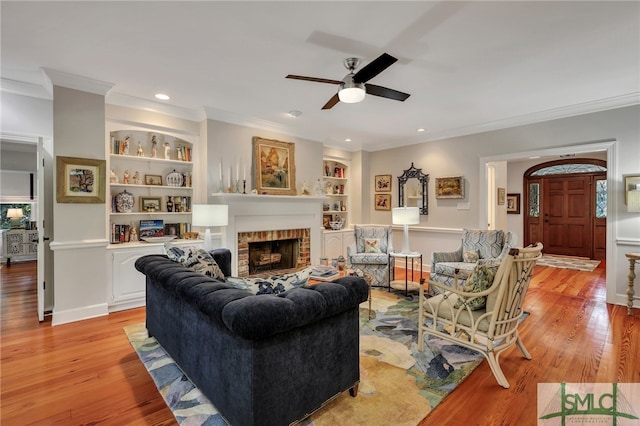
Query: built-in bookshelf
[{"x": 336, "y": 184}]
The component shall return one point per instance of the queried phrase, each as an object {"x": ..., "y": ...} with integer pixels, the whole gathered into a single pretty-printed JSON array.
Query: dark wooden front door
[{"x": 560, "y": 211}]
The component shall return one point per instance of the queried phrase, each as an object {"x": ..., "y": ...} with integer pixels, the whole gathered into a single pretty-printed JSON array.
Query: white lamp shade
[
  {"x": 210, "y": 215},
  {"x": 14, "y": 213},
  {"x": 405, "y": 215},
  {"x": 351, "y": 93}
]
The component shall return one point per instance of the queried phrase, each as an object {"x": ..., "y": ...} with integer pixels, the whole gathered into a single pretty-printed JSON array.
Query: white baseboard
[{"x": 86, "y": 312}]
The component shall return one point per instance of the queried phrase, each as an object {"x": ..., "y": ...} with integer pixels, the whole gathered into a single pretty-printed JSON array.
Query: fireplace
[
  {"x": 272, "y": 251},
  {"x": 255, "y": 218}
]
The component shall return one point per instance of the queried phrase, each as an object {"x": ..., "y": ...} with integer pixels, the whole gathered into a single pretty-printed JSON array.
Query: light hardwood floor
[{"x": 87, "y": 373}]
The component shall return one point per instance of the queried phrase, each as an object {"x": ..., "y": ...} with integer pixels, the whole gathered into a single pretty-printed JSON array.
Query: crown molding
[
  {"x": 77, "y": 82},
  {"x": 25, "y": 89},
  {"x": 123, "y": 100}
]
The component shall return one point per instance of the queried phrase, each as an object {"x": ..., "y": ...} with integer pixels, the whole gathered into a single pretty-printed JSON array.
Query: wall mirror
[
  {"x": 412, "y": 189},
  {"x": 632, "y": 193}
]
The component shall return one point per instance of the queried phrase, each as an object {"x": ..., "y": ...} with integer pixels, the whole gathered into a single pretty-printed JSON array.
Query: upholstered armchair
[
  {"x": 478, "y": 247},
  {"x": 484, "y": 314},
  {"x": 370, "y": 254}
]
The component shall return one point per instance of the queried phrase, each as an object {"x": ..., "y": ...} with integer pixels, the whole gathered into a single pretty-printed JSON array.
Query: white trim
[
  {"x": 23, "y": 88},
  {"x": 72, "y": 315},
  {"x": 120, "y": 99},
  {"x": 77, "y": 82},
  {"x": 627, "y": 241},
  {"x": 80, "y": 244}
]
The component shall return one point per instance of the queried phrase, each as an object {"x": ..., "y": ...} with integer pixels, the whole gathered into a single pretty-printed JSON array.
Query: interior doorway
[{"x": 565, "y": 207}]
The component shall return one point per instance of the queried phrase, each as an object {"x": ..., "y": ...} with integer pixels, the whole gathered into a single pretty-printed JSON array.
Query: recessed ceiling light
[
  {"x": 162, "y": 96},
  {"x": 347, "y": 140},
  {"x": 420, "y": 130},
  {"x": 295, "y": 113}
]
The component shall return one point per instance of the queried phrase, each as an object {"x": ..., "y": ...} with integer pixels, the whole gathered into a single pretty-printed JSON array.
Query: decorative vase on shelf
[
  {"x": 175, "y": 178},
  {"x": 169, "y": 204},
  {"x": 124, "y": 202}
]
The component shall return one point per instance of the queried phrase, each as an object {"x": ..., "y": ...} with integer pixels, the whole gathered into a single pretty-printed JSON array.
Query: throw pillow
[
  {"x": 470, "y": 256},
  {"x": 480, "y": 279},
  {"x": 372, "y": 245},
  {"x": 197, "y": 259},
  {"x": 275, "y": 284}
]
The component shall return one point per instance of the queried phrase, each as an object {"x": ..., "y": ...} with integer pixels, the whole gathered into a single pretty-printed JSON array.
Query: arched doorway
[{"x": 565, "y": 207}]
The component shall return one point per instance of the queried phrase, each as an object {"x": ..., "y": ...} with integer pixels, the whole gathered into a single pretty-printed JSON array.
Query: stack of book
[{"x": 324, "y": 272}]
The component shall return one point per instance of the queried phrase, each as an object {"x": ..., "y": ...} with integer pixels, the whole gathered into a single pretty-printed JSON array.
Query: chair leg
[
  {"x": 523, "y": 350},
  {"x": 497, "y": 371}
]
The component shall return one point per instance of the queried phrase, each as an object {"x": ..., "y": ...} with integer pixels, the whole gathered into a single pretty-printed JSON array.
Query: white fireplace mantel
[{"x": 249, "y": 213}]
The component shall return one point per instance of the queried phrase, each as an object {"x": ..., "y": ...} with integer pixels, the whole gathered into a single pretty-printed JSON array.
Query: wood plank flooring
[{"x": 87, "y": 373}]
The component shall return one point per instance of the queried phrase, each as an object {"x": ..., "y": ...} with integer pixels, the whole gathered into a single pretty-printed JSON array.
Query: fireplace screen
[{"x": 273, "y": 255}]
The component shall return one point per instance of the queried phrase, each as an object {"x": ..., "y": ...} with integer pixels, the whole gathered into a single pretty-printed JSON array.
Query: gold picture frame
[
  {"x": 502, "y": 196},
  {"x": 150, "y": 204},
  {"x": 383, "y": 183},
  {"x": 513, "y": 203},
  {"x": 274, "y": 167},
  {"x": 383, "y": 202},
  {"x": 153, "y": 180},
  {"x": 80, "y": 180},
  {"x": 450, "y": 187}
]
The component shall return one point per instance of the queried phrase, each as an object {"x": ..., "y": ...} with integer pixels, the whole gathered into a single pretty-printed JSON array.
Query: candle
[
  {"x": 220, "y": 170},
  {"x": 237, "y": 172},
  {"x": 245, "y": 171},
  {"x": 229, "y": 176}
]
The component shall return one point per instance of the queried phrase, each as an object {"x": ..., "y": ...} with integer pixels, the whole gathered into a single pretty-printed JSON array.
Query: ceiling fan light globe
[{"x": 353, "y": 94}]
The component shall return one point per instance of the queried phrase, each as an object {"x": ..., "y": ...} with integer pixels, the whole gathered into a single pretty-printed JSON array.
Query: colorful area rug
[
  {"x": 568, "y": 262},
  {"x": 398, "y": 384}
]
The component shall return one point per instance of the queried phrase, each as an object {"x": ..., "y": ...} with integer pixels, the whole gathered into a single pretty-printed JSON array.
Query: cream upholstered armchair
[
  {"x": 484, "y": 314},
  {"x": 370, "y": 254},
  {"x": 478, "y": 247}
]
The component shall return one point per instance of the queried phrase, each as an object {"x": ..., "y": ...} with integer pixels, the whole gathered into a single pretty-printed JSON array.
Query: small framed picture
[
  {"x": 450, "y": 187},
  {"x": 150, "y": 204},
  {"x": 383, "y": 183},
  {"x": 513, "y": 203},
  {"x": 502, "y": 195},
  {"x": 383, "y": 201},
  {"x": 326, "y": 221},
  {"x": 80, "y": 180},
  {"x": 153, "y": 180}
]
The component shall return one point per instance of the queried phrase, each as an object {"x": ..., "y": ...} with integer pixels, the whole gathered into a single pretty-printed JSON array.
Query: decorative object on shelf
[
  {"x": 179, "y": 150},
  {"x": 383, "y": 183},
  {"x": 632, "y": 193},
  {"x": 140, "y": 153},
  {"x": 150, "y": 204},
  {"x": 275, "y": 171},
  {"x": 113, "y": 178},
  {"x": 151, "y": 228},
  {"x": 423, "y": 179},
  {"x": 124, "y": 202},
  {"x": 154, "y": 147},
  {"x": 513, "y": 203},
  {"x": 326, "y": 207},
  {"x": 405, "y": 216},
  {"x": 126, "y": 179},
  {"x": 80, "y": 180},
  {"x": 136, "y": 178},
  {"x": 336, "y": 225},
  {"x": 125, "y": 148},
  {"x": 167, "y": 151},
  {"x": 187, "y": 180},
  {"x": 133, "y": 234},
  {"x": 161, "y": 239},
  {"x": 383, "y": 201},
  {"x": 502, "y": 195},
  {"x": 326, "y": 221},
  {"x": 450, "y": 187},
  {"x": 319, "y": 189},
  {"x": 175, "y": 179},
  {"x": 169, "y": 204},
  {"x": 155, "y": 180},
  {"x": 209, "y": 215},
  {"x": 329, "y": 188}
]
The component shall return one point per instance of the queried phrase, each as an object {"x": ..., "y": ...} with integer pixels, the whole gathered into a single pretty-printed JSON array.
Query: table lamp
[
  {"x": 209, "y": 215},
  {"x": 405, "y": 216},
  {"x": 15, "y": 215}
]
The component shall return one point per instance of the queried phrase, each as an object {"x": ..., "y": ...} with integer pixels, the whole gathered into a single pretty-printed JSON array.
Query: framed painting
[
  {"x": 383, "y": 201},
  {"x": 383, "y": 183},
  {"x": 80, "y": 180},
  {"x": 513, "y": 203},
  {"x": 150, "y": 204},
  {"x": 155, "y": 180},
  {"x": 450, "y": 187},
  {"x": 274, "y": 167},
  {"x": 502, "y": 196}
]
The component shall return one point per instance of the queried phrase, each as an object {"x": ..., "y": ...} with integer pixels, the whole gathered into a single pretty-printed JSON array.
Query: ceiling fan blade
[
  {"x": 317, "y": 80},
  {"x": 385, "y": 92},
  {"x": 374, "y": 68},
  {"x": 334, "y": 100}
]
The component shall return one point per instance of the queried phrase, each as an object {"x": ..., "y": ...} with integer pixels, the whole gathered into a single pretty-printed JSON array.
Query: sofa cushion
[
  {"x": 449, "y": 268},
  {"x": 480, "y": 280},
  {"x": 470, "y": 256},
  {"x": 488, "y": 243},
  {"x": 197, "y": 259},
  {"x": 275, "y": 284},
  {"x": 372, "y": 245},
  {"x": 370, "y": 258}
]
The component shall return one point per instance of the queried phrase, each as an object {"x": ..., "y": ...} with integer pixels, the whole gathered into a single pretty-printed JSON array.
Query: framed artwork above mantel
[{"x": 274, "y": 167}]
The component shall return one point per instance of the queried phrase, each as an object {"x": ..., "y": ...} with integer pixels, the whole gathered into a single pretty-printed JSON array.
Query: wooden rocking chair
[{"x": 489, "y": 330}]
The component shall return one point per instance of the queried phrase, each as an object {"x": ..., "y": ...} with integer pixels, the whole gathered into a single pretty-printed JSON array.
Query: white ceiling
[{"x": 469, "y": 66}]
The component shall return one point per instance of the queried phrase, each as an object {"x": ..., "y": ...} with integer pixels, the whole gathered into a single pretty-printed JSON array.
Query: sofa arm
[
  {"x": 222, "y": 256},
  {"x": 445, "y": 256}
]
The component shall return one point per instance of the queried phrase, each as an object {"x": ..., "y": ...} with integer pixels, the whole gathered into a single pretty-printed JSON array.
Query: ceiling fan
[{"x": 354, "y": 85}]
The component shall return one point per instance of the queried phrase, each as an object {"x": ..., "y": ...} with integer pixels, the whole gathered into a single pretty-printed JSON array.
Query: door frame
[{"x": 610, "y": 147}]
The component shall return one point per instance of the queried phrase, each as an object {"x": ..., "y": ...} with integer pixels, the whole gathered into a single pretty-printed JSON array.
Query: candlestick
[{"x": 244, "y": 186}]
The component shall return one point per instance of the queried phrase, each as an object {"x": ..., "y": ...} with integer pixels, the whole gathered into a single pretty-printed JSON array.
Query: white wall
[{"x": 461, "y": 156}]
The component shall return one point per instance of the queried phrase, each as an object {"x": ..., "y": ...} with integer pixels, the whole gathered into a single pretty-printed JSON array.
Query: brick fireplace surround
[
  {"x": 270, "y": 217},
  {"x": 244, "y": 238}
]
